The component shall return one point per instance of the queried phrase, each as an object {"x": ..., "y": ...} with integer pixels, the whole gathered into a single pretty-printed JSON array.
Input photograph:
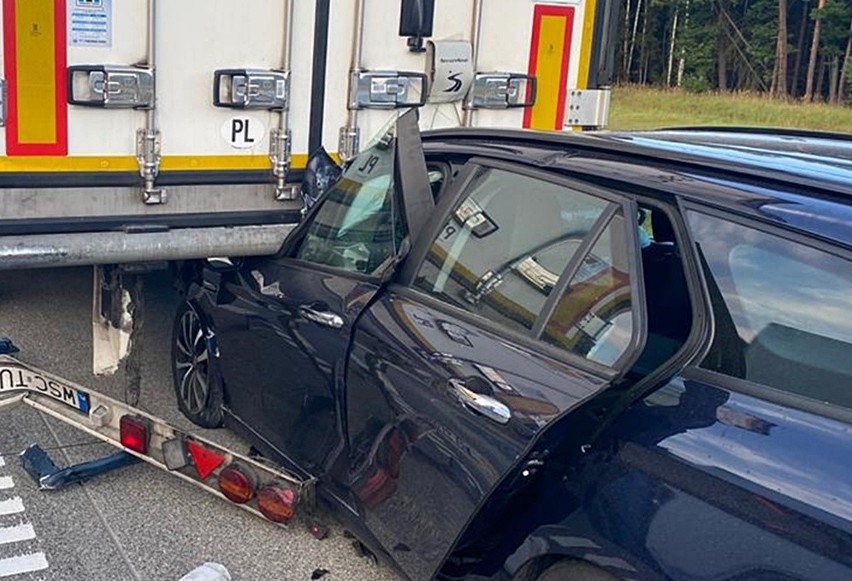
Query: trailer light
[
  {"x": 237, "y": 483},
  {"x": 175, "y": 454},
  {"x": 276, "y": 503},
  {"x": 134, "y": 432},
  {"x": 206, "y": 461}
]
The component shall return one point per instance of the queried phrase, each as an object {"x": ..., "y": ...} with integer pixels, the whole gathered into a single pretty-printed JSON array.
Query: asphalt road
[{"x": 136, "y": 523}]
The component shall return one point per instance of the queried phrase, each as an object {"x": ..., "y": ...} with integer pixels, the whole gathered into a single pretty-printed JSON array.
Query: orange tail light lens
[
  {"x": 238, "y": 483},
  {"x": 276, "y": 503}
]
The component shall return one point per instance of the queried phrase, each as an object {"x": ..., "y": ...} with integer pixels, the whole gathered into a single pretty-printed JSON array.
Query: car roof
[{"x": 799, "y": 179}]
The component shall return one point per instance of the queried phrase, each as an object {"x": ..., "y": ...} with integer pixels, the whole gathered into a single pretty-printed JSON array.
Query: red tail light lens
[
  {"x": 276, "y": 503},
  {"x": 237, "y": 483},
  {"x": 134, "y": 433}
]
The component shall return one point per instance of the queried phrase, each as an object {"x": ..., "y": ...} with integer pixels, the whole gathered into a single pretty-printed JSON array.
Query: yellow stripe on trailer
[
  {"x": 550, "y": 54},
  {"x": 586, "y": 44},
  {"x": 36, "y": 68},
  {"x": 89, "y": 164}
]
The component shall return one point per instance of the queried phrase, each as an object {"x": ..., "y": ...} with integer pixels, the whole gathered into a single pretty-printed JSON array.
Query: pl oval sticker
[{"x": 243, "y": 132}]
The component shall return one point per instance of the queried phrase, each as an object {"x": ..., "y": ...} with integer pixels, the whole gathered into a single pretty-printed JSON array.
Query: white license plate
[{"x": 14, "y": 378}]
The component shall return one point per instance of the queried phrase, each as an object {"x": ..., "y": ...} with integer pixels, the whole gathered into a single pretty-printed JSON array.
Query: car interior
[{"x": 669, "y": 312}]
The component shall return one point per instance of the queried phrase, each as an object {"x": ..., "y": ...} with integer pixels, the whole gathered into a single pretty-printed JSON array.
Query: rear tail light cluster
[
  {"x": 134, "y": 432},
  {"x": 237, "y": 481}
]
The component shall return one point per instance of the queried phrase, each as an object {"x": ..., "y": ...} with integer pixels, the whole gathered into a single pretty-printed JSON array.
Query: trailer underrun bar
[{"x": 254, "y": 484}]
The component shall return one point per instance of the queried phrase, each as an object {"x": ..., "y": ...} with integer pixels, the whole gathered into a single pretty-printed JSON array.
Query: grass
[{"x": 636, "y": 107}]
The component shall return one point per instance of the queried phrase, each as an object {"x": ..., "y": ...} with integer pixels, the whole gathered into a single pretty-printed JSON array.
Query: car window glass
[
  {"x": 502, "y": 250},
  {"x": 594, "y": 317},
  {"x": 359, "y": 225},
  {"x": 781, "y": 309}
]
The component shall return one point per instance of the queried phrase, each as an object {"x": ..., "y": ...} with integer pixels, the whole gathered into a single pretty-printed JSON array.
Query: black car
[{"x": 517, "y": 355}]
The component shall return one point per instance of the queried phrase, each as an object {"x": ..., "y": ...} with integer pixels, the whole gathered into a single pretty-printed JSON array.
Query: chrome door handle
[
  {"x": 324, "y": 318},
  {"x": 486, "y": 405}
]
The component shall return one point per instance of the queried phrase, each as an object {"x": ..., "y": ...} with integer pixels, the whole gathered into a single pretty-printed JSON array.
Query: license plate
[{"x": 13, "y": 378}]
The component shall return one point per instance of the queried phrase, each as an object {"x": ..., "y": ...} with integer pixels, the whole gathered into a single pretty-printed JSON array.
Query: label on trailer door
[{"x": 90, "y": 23}]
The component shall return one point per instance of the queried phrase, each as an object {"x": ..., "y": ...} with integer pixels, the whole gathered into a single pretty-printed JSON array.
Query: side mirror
[{"x": 321, "y": 174}]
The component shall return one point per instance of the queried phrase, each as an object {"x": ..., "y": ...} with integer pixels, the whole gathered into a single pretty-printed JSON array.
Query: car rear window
[{"x": 783, "y": 310}]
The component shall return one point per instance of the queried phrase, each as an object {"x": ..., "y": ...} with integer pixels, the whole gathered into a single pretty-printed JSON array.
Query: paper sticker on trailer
[{"x": 34, "y": 56}]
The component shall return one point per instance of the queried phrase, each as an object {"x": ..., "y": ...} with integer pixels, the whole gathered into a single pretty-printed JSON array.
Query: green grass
[{"x": 646, "y": 108}]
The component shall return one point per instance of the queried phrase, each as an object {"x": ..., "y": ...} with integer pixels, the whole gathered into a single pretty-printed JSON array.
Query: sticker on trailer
[
  {"x": 243, "y": 132},
  {"x": 90, "y": 23}
]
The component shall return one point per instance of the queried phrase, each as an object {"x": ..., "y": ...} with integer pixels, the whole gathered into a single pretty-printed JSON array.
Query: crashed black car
[{"x": 514, "y": 355}]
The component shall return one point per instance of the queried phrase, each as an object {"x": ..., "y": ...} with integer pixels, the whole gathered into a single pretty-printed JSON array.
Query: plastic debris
[
  {"x": 7, "y": 347},
  {"x": 318, "y": 531},
  {"x": 319, "y": 573},
  {"x": 208, "y": 572}
]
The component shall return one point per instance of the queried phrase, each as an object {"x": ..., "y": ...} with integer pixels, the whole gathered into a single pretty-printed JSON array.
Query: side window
[
  {"x": 593, "y": 316},
  {"x": 505, "y": 249},
  {"x": 781, "y": 311},
  {"x": 359, "y": 226}
]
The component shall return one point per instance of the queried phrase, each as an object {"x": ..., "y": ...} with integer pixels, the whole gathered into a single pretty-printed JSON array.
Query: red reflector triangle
[{"x": 205, "y": 461}]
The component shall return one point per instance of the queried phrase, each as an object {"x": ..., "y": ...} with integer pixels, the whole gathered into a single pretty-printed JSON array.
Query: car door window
[
  {"x": 503, "y": 249},
  {"x": 593, "y": 317},
  {"x": 781, "y": 310},
  {"x": 359, "y": 225}
]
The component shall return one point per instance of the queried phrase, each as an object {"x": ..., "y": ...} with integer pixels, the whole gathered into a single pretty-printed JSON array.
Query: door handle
[
  {"x": 488, "y": 406},
  {"x": 320, "y": 317}
]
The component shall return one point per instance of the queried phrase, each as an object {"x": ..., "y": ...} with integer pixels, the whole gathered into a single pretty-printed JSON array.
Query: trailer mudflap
[{"x": 186, "y": 455}]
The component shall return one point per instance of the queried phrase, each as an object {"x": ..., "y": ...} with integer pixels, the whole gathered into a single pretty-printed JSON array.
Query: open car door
[{"x": 283, "y": 324}]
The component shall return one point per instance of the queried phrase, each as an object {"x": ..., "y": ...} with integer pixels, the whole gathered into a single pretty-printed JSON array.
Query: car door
[
  {"x": 520, "y": 304},
  {"x": 283, "y": 324}
]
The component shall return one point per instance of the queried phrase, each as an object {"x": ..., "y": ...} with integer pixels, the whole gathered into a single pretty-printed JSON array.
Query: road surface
[{"x": 137, "y": 523}]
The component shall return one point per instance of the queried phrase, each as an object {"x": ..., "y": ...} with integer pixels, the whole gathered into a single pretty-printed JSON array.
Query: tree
[
  {"x": 812, "y": 62},
  {"x": 779, "y": 73}
]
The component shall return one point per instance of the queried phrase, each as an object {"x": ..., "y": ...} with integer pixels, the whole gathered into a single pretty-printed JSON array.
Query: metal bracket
[
  {"x": 280, "y": 156},
  {"x": 349, "y": 143},
  {"x": 501, "y": 91},
  {"x": 251, "y": 89},
  {"x": 388, "y": 89},
  {"x": 3, "y": 110},
  {"x": 111, "y": 87},
  {"x": 588, "y": 108},
  {"x": 148, "y": 157}
]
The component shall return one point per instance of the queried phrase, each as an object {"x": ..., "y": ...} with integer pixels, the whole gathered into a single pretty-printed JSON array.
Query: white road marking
[
  {"x": 6, "y": 482},
  {"x": 21, "y": 532},
  {"x": 2, "y": 462},
  {"x": 11, "y": 506},
  {"x": 22, "y": 564}
]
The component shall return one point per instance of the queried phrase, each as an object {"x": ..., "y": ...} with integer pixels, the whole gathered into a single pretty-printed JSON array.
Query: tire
[
  {"x": 574, "y": 571},
  {"x": 197, "y": 384}
]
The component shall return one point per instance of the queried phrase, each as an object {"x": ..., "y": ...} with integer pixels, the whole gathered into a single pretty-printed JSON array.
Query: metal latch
[
  {"x": 3, "y": 103},
  {"x": 388, "y": 89},
  {"x": 501, "y": 91},
  {"x": 251, "y": 89},
  {"x": 111, "y": 87}
]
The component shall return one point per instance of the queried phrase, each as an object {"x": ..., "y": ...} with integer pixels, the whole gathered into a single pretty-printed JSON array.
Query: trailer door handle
[
  {"x": 319, "y": 315},
  {"x": 486, "y": 405}
]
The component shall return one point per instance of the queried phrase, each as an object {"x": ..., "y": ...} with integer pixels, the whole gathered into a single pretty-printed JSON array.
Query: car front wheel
[{"x": 197, "y": 384}]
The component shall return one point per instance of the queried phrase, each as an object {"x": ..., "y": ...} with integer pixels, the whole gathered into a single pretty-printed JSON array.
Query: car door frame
[
  {"x": 454, "y": 196},
  {"x": 410, "y": 184}
]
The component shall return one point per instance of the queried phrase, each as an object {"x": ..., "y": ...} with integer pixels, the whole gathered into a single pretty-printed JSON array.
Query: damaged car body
[{"x": 520, "y": 356}]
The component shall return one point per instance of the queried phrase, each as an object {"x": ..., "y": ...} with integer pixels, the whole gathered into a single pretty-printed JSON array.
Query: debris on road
[{"x": 208, "y": 572}]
